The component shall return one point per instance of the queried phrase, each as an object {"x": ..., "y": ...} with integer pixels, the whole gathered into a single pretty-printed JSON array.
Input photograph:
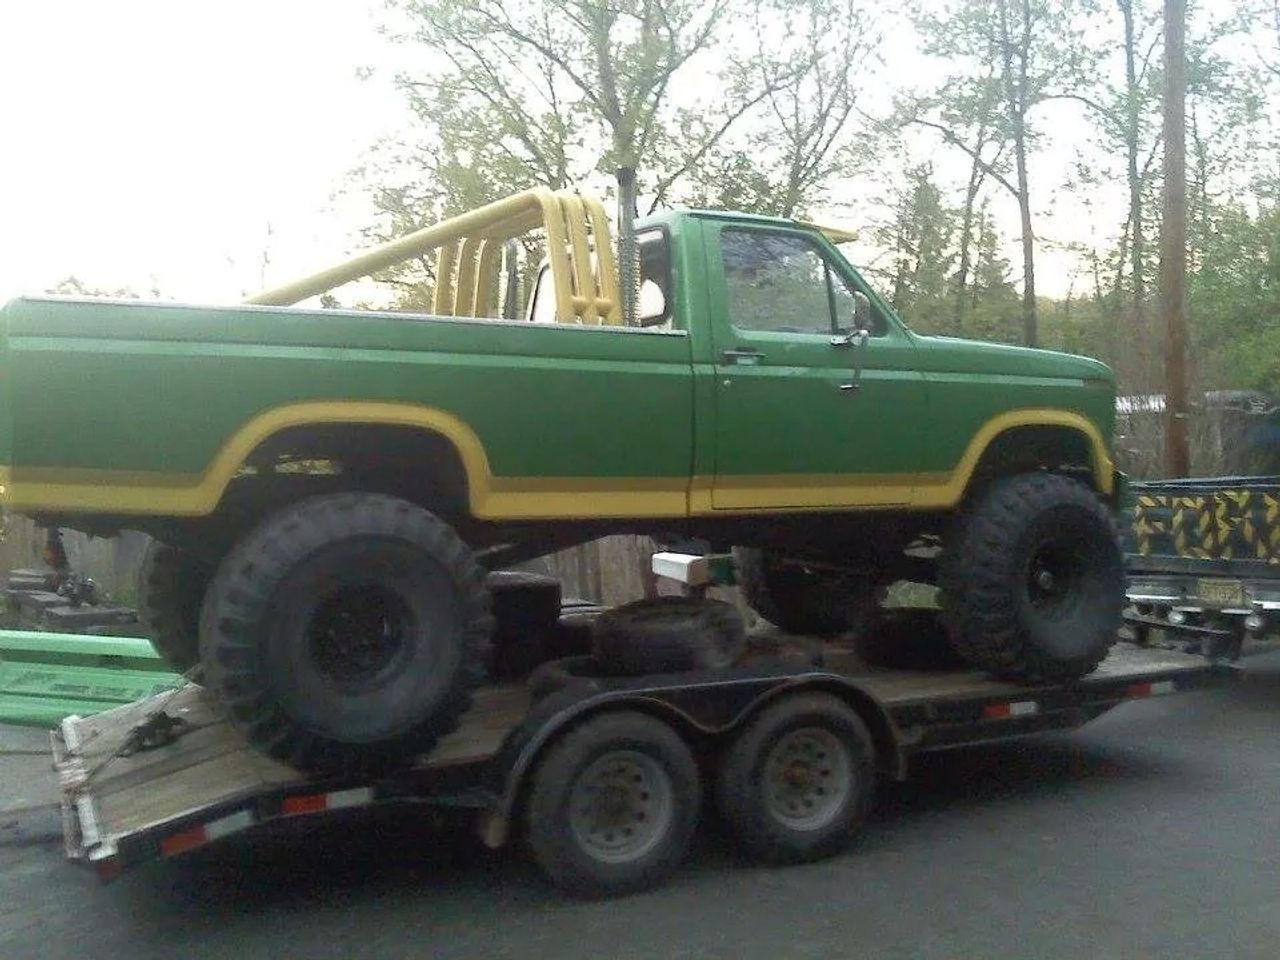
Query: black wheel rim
[
  {"x": 359, "y": 635},
  {"x": 1055, "y": 572}
]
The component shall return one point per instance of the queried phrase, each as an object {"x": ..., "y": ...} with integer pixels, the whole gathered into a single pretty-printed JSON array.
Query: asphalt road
[{"x": 1150, "y": 833}]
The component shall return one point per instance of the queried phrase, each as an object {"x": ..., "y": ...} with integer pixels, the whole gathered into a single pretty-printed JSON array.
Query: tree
[
  {"x": 1173, "y": 239},
  {"x": 552, "y": 78},
  {"x": 811, "y": 57},
  {"x": 1234, "y": 295},
  {"x": 556, "y": 92},
  {"x": 994, "y": 307},
  {"x": 73, "y": 286},
  {"x": 1033, "y": 49},
  {"x": 920, "y": 235}
]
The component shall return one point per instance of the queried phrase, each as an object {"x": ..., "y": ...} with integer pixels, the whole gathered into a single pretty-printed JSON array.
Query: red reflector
[
  {"x": 182, "y": 842},
  {"x": 108, "y": 869},
  {"x": 308, "y": 803},
  {"x": 996, "y": 711},
  {"x": 1139, "y": 690}
]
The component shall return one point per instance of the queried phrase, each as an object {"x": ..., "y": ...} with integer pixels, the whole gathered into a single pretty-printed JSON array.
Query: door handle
[
  {"x": 743, "y": 356},
  {"x": 857, "y": 341}
]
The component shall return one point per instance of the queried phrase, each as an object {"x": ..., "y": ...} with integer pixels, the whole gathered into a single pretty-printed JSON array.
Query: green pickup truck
[{"x": 326, "y": 487}]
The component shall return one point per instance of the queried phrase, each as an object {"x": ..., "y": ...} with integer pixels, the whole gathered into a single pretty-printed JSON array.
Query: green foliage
[
  {"x": 73, "y": 286},
  {"x": 812, "y": 59},
  {"x": 1235, "y": 299},
  {"x": 920, "y": 236},
  {"x": 763, "y": 106}
]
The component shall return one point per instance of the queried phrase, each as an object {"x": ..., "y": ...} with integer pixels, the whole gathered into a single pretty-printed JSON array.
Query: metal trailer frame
[{"x": 120, "y": 811}]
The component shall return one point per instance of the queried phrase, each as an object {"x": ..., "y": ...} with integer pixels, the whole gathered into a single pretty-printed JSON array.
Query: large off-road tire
[
  {"x": 171, "y": 586},
  {"x": 613, "y": 805},
  {"x": 1032, "y": 579},
  {"x": 668, "y": 635},
  {"x": 801, "y": 599},
  {"x": 347, "y": 632},
  {"x": 797, "y": 782}
]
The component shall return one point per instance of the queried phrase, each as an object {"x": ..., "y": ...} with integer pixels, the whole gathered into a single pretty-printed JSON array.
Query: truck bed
[{"x": 121, "y": 809}]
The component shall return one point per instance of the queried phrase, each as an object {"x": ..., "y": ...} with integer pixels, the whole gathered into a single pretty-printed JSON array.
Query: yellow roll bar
[{"x": 469, "y": 248}]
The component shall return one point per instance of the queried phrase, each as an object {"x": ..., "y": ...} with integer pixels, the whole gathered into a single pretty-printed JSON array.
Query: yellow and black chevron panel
[{"x": 1222, "y": 524}]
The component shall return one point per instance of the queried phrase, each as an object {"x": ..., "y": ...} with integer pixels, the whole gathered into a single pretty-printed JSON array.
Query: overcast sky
[
  {"x": 159, "y": 138},
  {"x": 155, "y": 142}
]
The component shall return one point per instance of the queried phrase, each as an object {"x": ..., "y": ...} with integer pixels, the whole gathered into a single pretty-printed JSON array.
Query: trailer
[{"x": 604, "y": 777}]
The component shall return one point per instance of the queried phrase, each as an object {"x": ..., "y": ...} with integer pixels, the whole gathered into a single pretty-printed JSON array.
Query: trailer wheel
[
  {"x": 798, "y": 781},
  {"x": 668, "y": 634},
  {"x": 613, "y": 805},
  {"x": 1032, "y": 579},
  {"x": 346, "y": 632},
  {"x": 171, "y": 586}
]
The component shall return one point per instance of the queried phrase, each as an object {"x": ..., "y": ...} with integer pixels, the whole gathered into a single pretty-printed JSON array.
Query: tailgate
[{"x": 110, "y": 793}]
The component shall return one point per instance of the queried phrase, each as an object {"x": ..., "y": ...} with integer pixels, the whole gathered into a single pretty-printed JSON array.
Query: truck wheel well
[
  {"x": 1023, "y": 449},
  {"x": 404, "y": 461}
]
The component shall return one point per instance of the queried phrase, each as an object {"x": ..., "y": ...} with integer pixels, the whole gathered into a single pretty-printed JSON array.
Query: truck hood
[{"x": 954, "y": 355}]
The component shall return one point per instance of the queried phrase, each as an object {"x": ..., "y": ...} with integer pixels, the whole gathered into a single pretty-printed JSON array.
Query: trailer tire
[
  {"x": 1032, "y": 579},
  {"x": 668, "y": 635},
  {"x": 797, "y": 782},
  {"x": 613, "y": 804},
  {"x": 171, "y": 587},
  {"x": 797, "y": 599},
  {"x": 346, "y": 633}
]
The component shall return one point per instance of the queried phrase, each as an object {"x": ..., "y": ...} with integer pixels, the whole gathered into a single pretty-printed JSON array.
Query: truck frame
[{"x": 166, "y": 775}]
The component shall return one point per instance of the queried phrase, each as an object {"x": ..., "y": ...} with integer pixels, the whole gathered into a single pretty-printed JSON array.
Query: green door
[{"x": 792, "y": 429}]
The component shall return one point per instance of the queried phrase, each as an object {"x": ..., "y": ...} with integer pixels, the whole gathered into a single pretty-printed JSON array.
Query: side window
[
  {"x": 845, "y": 309},
  {"x": 782, "y": 282},
  {"x": 542, "y": 302},
  {"x": 653, "y": 309}
]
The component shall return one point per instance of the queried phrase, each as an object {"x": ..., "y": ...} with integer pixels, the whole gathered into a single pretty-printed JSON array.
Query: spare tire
[
  {"x": 523, "y": 600},
  {"x": 582, "y": 672},
  {"x": 526, "y": 610},
  {"x": 668, "y": 635},
  {"x": 800, "y": 599},
  {"x": 346, "y": 633},
  {"x": 1032, "y": 579},
  {"x": 171, "y": 586}
]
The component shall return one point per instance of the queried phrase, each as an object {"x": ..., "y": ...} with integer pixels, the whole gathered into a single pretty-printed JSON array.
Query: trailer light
[
  {"x": 1020, "y": 708},
  {"x": 1138, "y": 691}
]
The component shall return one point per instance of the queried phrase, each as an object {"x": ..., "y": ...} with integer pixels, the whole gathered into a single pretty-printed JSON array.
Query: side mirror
[{"x": 861, "y": 311}]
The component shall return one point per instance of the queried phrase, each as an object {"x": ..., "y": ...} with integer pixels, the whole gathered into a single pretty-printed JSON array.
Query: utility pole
[{"x": 1173, "y": 240}]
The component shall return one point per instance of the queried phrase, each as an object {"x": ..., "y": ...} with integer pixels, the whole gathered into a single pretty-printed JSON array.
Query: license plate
[{"x": 1222, "y": 593}]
